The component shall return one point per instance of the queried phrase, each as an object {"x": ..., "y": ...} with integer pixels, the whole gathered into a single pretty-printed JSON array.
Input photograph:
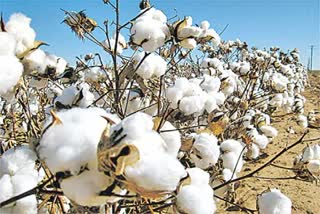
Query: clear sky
[{"x": 262, "y": 23}]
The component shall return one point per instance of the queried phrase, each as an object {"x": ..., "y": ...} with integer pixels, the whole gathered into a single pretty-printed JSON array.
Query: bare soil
[{"x": 305, "y": 196}]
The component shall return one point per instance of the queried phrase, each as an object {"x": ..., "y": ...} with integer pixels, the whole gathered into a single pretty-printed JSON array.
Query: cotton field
[{"x": 179, "y": 121}]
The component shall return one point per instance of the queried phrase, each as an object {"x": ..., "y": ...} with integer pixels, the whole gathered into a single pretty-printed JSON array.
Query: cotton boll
[
  {"x": 255, "y": 151},
  {"x": 7, "y": 44},
  {"x": 244, "y": 68},
  {"x": 67, "y": 96},
  {"x": 194, "y": 200},
  {"x": 10, "y": 72},
  {"x": 85, "y": 188},
  {"x": 19, "y": 160},
  {"x": 149, "y": 33},
  {"x": 6, "y": 188},
  {"x": 314, "y": 166},
  {"x": 261, "y": 140},
  {"x": 274, "y": 202},
  {"x": 189, "y": 43},
  {"x": 73, "y": 143},
  {"x": 174, "y": 95},
  {"x": 35, "y": 62},
  {"x": 192, "y": 104},
  {"x": 19, "y": 26},
  {"x": 94, "y": 74},
  {"x": 152, "y": 65},
  {"x": 211, "y": 84},
  {"x": 231, "y": 146},
  {"x": 205, "y": 150},
  {"x": 198, "y": 176},
  {"x": 316, "y": 151},
  {"x": 307, "y": 154},
  {"x": 172, "y": 139},
  {"x": 220, "y": 97},
  {"x": 57, "y": 63},
  {"x": 230, "y": 160},
  {"x": 302, "y": 121},
  {"x": 189, "y": 32},
  {"x": 156, "y": 172},
  {"x": 211, "y": 104},
  {"x": 269, "y": 131}
]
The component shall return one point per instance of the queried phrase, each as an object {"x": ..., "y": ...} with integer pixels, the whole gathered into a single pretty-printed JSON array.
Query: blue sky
[{"x": 262, "y": 23}]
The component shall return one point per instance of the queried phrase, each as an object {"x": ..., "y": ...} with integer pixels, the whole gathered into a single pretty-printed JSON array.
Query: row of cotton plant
[{"x": 156, "y": 130}]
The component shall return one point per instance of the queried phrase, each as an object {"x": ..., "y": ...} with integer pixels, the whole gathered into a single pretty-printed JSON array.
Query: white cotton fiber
[
  {"x": 10, "y": 72},
  {"x": 7, "y": 44},
  {"x": 274, "y": 202}
]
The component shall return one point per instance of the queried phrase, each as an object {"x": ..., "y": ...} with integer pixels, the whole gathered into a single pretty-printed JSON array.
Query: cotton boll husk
[
  {"x": 269, "y": 131},
  {"x": 156, "y": 172},
  {"x": 7, "y": 44},
  {"x": 72, "y": 144},
  {"x": 10, "y": 72},
  {"x": 205, "y": 146},
  {"x": 84, "y": 189},
  {"x": 19, "y": 160},
  {"x": 19, "y": 26},
  {"x": 194, "y": 200},
  {"x": 274, "y": 202},
  {"x": 172, "y": 138}
]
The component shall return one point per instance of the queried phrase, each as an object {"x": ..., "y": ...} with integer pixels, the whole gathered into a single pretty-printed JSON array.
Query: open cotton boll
[
  {"x": 174, "y": 94},
  {"x": 274, "y": 202},
  {"x": 211, "y": 84},
  {"x": 149, "y": 33},
  {"x": 156, "y": 172},
  {"x": 269, "y": 131},
  {"x": 230, "y": 161},
  {"x": 7, "y": 44},
  {"x": 172, "y": 138},
  {"x": 211, "y": 104},
  {"x": 19, "y": 26},
  {"x": 302, "y": 121},
  {"x": 189, "y": 32},
  {"x": 36, "y": 61},
  {"x": 194, "y": 200},
  {"x": 94, "y": 74},
  {"x": 231, "y": 146},
  {"x": 191, "y": 104},
  {"x": 72, "y": 143},
  {"x": 244, "y": 67},
  {"x": 308, "y": 154},
  {"x": 261, "y": 140},
  {"x": 198, "y": 176},
  {"x": 152, "y": 65},
  {"x": 58, "y": 63},
  {"x": 18, "y": 160},
  {"x": 314, "y": 166},
  {"x": 205, "y": 150},
  {"x": 10, "y": 72},
  {"x": 84, "y": 189}
]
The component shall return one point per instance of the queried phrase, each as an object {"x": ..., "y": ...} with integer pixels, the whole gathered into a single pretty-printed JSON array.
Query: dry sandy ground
[{"x": 305, "y": 196}]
